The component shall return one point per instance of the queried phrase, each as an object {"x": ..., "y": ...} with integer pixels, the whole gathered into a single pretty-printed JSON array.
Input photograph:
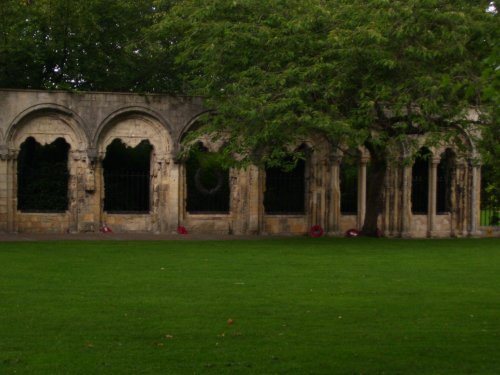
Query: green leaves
[
  {"x": 276, "y": 71},
  {"x": 90, "y": 45}
]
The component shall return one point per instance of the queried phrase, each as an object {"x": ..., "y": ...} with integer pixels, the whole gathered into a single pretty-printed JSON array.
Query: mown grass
[{"x": 300, "y": 306}]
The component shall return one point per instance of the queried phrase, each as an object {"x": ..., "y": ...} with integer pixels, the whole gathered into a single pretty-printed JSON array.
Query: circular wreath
[
  {"x": 182, "y": 230},
  {"x": 316, "y": 231},
  {"x": 199, "y": 184}
]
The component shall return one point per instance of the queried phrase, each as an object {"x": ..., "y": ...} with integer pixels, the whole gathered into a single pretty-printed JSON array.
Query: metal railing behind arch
[{"x": 127, "y": 191}]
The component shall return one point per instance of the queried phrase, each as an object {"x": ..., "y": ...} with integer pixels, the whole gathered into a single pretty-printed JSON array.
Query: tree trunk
[{"x": 374, "y": 195}]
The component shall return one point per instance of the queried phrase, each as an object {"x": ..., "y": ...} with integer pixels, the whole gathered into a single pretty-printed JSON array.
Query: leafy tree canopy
[
  {"x": 83, "y": 45},
  {"x": 375, "y": 72},
  {"x": 276, "y": 70}
]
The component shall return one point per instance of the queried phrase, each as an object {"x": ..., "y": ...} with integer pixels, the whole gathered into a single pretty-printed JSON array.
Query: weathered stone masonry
[{"x": 89, "y": 122}]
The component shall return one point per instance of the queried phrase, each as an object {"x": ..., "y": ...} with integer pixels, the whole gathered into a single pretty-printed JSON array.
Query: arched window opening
[
  {"x": 207, "y": 182},
  {"x": 349, "y": 184},
  {"x": 127, "y": 177},
  {"x": 444, "y": 179},
  {"x": 285, "y": 189},
  {"x": 42, "y": 176},
  {"x": 490, "y": 197},
  {"x": 420, "y": 183}
]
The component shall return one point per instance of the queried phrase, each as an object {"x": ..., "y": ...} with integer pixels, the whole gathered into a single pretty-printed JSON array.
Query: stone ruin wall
[{"x": 89, "y": 122}]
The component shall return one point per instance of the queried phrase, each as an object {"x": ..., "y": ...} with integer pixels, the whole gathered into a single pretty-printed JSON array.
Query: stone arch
[
  {"x": 45, "y": 123},
  {"x": 210, "y": 144},
  {"x": 133, "y": 125},
  {"x": 190, "y": 125}
]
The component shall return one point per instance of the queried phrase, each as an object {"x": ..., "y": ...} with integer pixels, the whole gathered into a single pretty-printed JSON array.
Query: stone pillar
[
  {"x": 316, "y": 191},
  {"x": 432, "y": 197},
  {"x": 390, "y": 211},
  {"x": 157, "y": 170},
  {"x": 362, "y": 191},
  {"x": 405, "y": 213},
  {"x": 170, "y": 197},
  {"x": 76, "y": 189},
  {"x": 475, "y": 198},
  {"x": 334, "y": 197},
  {"x": 238, "y": 205},
  {"x": 12, "y": 191},
  {"x": 4, "y": 190},
  {"x": 98, "y": 196},
  {"x": 255, "y": 200},
  {"x": 461, "y": 206},
  {"x": 88, "y": 197}
]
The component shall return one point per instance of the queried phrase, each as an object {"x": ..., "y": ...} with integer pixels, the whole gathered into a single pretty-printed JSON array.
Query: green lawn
[{"x": 300, "y": 306}]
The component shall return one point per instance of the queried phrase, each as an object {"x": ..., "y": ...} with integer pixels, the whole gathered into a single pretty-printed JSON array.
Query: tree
[
  {"x": 83, "y": 45},
  {"x": 373, "y": 73}
]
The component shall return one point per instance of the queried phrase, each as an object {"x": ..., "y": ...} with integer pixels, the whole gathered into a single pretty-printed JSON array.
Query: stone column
[
  {"x": 97, "y": 198},
  {"x": 390, "y": 210},
  {"x": 461, "y": 207},
  {"x": 4, "y": 189},
  {"x": 405, "y": 213},
  {"x": 238, "y": 204},
  {"x": 475, "y": 194},
  {"x": 334, "y": 197},
  {"x": 157, "y": 170},
  {"x": 73, "y": 159},
  {"x": 77, "y": 187},
  {"x": 432, "y": 197},
  {"x": 362, "y": 191},
  {"x": 255, "y": 199},
  {"x": 316, "y": 190},
  {"x": 170, "y": 197},
  {"x": 12, "y": 225}
]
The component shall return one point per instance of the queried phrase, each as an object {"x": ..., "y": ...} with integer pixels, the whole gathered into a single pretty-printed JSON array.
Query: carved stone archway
[
  {"x": 131, "y": 129},
  {"x": 45, "y": 125}
]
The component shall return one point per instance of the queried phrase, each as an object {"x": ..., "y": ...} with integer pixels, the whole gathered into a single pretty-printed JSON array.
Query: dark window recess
[
  {"x": 285, "y": 190},
  {"x": 207, "y": 183},
  {"x": 349, "y": 185},
  {"x": 127, "y": 177},
  {"x": 420, "y": 183},
  {"x": 42, "y": 176},
  {"x": 444, "y": 178},
  {"x": 490, "y": 197}
]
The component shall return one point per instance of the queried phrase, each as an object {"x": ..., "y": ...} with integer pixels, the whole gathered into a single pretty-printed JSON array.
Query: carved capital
[
  {"x": 364, "y": 160},
  {"x": 335, "y": 159},
  {"x": 435, "y": 161},
  {"x": 8, "y": 154},
  {"x": 77, "y": 155},
  {"x": 4, "y": 152},
  {"x": 92, "y": 155}
]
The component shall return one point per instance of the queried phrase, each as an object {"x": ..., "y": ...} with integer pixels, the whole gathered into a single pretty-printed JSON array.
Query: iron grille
[
  {"x": 420, "y": 187},
  {"x": 40, "y": 191},
  {"x": 207, "y": 186},
  {"x": 349, "y": 189},
  {"x": 285, "y": 190},
  {"x": 126, "y": 191}
]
